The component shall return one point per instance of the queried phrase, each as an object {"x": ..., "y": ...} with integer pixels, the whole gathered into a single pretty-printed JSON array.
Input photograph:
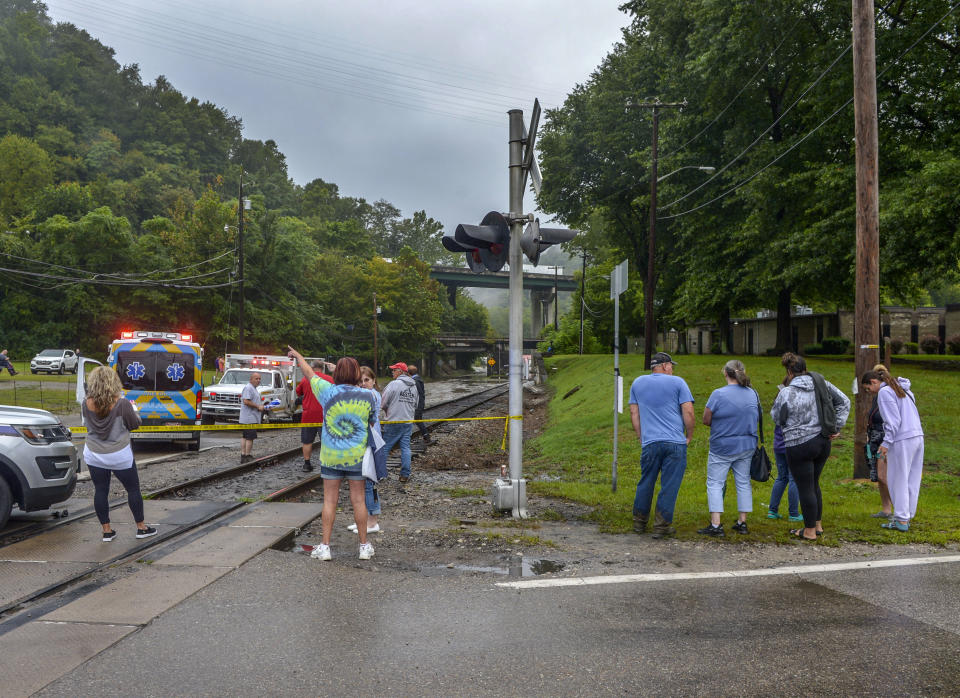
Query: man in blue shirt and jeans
[{"x": 661, "y": 409}]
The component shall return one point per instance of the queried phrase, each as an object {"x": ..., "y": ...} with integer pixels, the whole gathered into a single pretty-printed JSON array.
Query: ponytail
[
  {"x": 736, "y": 370},
  {"x": 797, "y": 365},
  {"x": 884, "y": 375}
]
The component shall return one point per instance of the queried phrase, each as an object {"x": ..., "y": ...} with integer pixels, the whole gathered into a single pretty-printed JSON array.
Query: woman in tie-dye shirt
[{"x": 348, "y": 412}]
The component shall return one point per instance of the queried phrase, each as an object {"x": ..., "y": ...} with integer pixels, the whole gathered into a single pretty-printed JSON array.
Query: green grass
[{"x": 577, "y": 447}]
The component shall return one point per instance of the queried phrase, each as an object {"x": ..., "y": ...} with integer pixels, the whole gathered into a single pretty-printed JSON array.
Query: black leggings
[
  {"x": 131, "y": 483},
  {"x": 806, "y": 463}
]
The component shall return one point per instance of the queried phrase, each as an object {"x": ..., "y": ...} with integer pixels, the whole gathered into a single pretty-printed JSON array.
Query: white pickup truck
[{"x": 279, "y": 377}]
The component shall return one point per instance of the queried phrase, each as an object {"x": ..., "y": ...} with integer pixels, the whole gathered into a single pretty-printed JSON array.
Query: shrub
[
  {"x": 911, "y": 347},
  {"x": 896, "y": 346},
  {"x": 835, "y": 345},
  {"x": 953, "y": 344},
  {"x": 809, "y": 349},
  {"x": 715, "y": 348},
  {"x": 773, "y": 351},
  {"x": 930, "y": 343}
]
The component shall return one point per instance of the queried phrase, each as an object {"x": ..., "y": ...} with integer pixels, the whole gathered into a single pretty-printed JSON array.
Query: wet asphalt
[{"x": 284, "y": 624}]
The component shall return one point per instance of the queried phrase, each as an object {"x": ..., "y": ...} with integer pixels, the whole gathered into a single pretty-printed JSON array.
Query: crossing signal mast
[{"x": 501, "y": 239}]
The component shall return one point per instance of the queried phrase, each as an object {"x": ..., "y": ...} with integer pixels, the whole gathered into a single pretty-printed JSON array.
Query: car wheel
[
  {"x": 193, "y": 445},
  {"x": 60, "y": 370},
  {"x": 33, "y": 371},
  {"x": 6, "y": 502},
  {"x": 208, "y": 420}
]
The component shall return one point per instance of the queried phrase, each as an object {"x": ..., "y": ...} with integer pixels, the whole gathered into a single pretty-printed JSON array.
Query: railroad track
[{"x": 445, "y": 410}]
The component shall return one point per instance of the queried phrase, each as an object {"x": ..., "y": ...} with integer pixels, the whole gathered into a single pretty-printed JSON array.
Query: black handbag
[{"x": 760, "y": 463}]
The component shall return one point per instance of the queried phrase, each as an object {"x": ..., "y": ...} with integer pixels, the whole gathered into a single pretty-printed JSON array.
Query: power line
[
  {"x": 765, "y": 132},
  {"x": 117, "y": 282},
  {"x": 279, "y": 56},
  {"x": 749, "y": 82},
  {"x": 818, "y": 126}
]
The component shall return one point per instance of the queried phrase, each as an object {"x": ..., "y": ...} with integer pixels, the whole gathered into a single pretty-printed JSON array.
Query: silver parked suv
[
  {"x": 38, "y": 462},
  {"x": 54, "y": 361}
]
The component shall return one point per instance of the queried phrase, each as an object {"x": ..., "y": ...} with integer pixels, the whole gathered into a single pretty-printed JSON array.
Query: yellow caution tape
[{"x": 290, "y": 425}]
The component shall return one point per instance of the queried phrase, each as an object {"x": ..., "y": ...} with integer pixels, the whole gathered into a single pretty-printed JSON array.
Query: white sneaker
[
  {"x": 366, "y": 551},
  {"x": 321, "y": 552},
  {"x": 370, "y": 529}
]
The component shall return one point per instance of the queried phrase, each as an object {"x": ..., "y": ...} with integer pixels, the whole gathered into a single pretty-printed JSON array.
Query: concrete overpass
[{"x": 543, "y": 288}]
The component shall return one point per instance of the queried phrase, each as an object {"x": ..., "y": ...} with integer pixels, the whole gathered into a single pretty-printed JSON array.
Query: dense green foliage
[
  {"x": 106, "y": 179},
  {"x": 574, "y": 453},
  {"x": 768, "y": 86}
]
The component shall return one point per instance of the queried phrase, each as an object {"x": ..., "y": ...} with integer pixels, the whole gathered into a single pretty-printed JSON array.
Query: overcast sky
[{"x": 396, "y": 99}]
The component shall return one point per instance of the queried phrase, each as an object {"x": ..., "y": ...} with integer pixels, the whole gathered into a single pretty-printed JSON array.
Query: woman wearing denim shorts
[
  {"x": 731, "y": 413},
  {"x": 348, "y": 413}
]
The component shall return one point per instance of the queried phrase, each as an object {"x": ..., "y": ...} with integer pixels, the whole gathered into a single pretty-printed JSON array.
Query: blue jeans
[
  {"x": 669, "y": 461},
  {"x": 783, "y": 482},
  {"x": 718, "y": 467},
  {"x": 399, "y": 433},
  {"x": 371, "y": 497}
]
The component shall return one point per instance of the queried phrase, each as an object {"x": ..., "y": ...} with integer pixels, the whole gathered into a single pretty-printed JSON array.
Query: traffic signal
[{"x": 536, "y": 239}]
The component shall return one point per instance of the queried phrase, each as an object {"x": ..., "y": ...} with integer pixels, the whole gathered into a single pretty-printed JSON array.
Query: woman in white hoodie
[{"x": 902, "y": 443}]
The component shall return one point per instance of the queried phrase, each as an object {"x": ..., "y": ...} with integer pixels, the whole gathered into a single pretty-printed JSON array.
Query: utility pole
[
  {"x": 240, "y": 248},
  {"x": 650, "y": 327},
  {"x": 376, "y": 355},
  {"x": 583, "y": 276},
  {"x": 556, "y": 298},
  {"x": 515, "y": 260},
  {"x": 866, "y": 334}
]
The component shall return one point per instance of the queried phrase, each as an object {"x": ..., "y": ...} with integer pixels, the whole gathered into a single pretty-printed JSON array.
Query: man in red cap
[{"x": 399, "y": 403}]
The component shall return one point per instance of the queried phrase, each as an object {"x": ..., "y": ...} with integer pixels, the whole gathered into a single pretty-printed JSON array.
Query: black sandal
[{"x": 798, "y": 533}]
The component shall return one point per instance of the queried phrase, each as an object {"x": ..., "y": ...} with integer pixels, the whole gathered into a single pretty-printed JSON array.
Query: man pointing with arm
[{"x": 661, "y": 410}]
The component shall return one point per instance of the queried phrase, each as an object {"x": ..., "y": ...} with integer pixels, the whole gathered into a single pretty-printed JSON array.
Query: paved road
[{"x": 287, "y": 625}]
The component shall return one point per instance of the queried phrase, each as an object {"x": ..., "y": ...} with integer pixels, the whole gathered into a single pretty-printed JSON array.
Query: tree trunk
[
  {"x": 784, "y": 322},
  {"x": 724, "y": 323}
]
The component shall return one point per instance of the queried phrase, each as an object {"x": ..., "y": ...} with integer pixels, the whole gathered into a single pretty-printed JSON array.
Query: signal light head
[{"x": 126, "y": 335}]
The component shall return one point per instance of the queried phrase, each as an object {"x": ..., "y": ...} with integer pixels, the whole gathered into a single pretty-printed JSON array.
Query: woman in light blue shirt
[{"x": 731, "y": 413}]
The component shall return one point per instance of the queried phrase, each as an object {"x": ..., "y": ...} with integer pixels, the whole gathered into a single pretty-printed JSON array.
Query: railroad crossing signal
[
  {"x": 486, "y": 245},
  {"x": 536, "y": 239}
]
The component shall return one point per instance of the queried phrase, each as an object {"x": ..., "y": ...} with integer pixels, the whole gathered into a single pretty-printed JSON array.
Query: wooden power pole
[{"x": 866, "y": 331}]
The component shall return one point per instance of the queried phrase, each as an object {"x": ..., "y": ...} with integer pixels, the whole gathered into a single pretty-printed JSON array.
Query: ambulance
[
  {"x": 279, "y": 377},
  {"x": 162, "y": 374}
]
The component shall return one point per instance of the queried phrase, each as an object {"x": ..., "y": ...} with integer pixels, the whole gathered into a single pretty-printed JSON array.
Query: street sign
[
  {"x": 531, "y": 135},
  {"x": 535, "y": 177},
  {"x": 491, "y": 361},
  {"x": 618, "y": 280},
  {"x": 529, "y": 161}
]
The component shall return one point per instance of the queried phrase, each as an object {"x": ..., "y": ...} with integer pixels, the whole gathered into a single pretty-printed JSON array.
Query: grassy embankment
[{"x": 576, "y": 449}]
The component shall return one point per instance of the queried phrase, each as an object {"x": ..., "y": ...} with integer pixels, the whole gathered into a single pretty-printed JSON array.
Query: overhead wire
[
  {"x": 818, "y": 126},
  {"x": 293, "y": 75},
  {"x": 763, "y": 64},
  {"x": 279, "y": 57},
  {"x": 767, "y": 130},
  {"x": 118, "y": 282},
  {"x": 123, "y": 276},
  {"x": 394, "y": 56}
]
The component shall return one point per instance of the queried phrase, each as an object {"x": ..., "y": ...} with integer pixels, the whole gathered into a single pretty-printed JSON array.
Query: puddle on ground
[{"x": 516, "y": 567}]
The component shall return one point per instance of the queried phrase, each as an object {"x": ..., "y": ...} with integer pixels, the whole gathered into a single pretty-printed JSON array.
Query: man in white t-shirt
[{"x": 251, "y": 412}]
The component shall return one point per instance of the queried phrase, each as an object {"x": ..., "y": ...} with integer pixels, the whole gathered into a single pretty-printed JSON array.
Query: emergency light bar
[{"x": 179, "y": 336}]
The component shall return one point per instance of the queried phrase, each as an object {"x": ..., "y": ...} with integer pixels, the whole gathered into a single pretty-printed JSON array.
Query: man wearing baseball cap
[
  {"x": 399, "y": 403},
  {"x": 661, "y": 409}
]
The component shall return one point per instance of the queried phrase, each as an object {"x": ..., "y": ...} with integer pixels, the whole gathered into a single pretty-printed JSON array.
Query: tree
[{"x": 25, "y": 169}]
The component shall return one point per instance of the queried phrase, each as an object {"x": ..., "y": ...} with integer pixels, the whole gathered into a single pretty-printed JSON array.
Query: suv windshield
[
  {"x": 155, "y": 370},
  {"x": 237, "y": 377},
  {"x": 50, "y": 352}
]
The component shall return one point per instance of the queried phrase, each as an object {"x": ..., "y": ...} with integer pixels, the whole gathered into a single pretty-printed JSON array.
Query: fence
[{"x": 54, "y": 393}]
